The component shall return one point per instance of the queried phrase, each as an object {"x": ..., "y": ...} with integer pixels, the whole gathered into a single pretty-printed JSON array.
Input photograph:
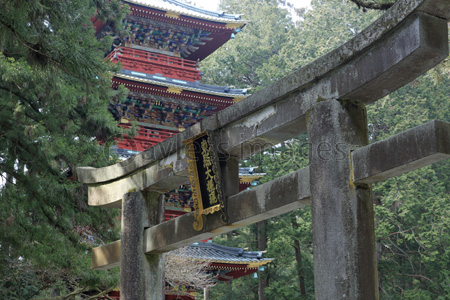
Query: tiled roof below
[
  {"x": 224, "y": 91},
  {"x": 210, "y": 252}
]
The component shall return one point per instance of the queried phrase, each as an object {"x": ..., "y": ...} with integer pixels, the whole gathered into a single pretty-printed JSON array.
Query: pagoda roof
[
  {"x": 215, "y": 253},
  {"x": 176, "y": 84},
  {"x": 247, "y": 175},
  {"x": 179, "y": 8},
  {"x": 187, "y": 31},
  {"x": 249, "y": 178}
]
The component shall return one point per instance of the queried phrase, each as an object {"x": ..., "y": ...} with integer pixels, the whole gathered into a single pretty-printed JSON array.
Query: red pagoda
[{"x": 158, "y": 48}]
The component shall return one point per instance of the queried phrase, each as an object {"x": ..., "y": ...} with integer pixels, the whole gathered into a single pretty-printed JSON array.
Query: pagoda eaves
[
  {"x": 184, "y": 9},
  {"x": 229, "y": 262},
  {"x": 176, "y": 86},
  {"x": 177, "y": 28}
]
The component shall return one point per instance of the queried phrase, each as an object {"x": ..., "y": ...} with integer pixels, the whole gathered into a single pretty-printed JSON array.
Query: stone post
[
  {"x": 229, "y": 177},
  {"x": 342, "y": 213},
  {"x": 141, "y": 275}
]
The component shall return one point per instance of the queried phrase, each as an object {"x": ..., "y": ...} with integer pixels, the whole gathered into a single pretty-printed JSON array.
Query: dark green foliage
[
  {"x": 243, "y": 61},
  {"x": 412, "y": 210},
  {"x": 54, "y": 92},
  {"x": 271, "y": 45}
]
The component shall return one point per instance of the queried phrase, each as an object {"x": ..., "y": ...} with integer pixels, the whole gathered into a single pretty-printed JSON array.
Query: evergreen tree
[
  {"x": 54, "y": 92},
  {"x": 412, "y": 210},
  {"x": 241, "y": 62},
  {"x": 271, "y": 45},
  {"x": 412, "y": 215}
]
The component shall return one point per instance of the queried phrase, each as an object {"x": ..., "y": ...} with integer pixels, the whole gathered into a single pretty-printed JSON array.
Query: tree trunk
[
  {"x": 206, "y": 293},
  {"x": 379, "y": 257},
  {"x": 379, "y": 249},
  {"x": 298, "y": 259},
  {"x": 263, "y": 281}
]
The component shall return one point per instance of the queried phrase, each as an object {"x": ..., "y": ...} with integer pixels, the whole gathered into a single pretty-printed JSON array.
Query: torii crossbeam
[{"x": 409, "y": 39}]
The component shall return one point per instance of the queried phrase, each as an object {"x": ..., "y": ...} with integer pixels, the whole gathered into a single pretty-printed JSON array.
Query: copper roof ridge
[{"x": 192, "y": 11}]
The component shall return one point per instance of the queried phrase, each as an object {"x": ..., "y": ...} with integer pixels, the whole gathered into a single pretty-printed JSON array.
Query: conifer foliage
[
  {"x": 54, "y": 92},
  {"x": 412, "y": 210}
]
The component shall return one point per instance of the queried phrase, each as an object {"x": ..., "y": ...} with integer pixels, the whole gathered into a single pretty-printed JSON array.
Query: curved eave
[
  {"x": 224, "y": 255},
  {"x": 250, "y": 178},
  {"x": 243, "y": 263},
  {"x": 230, "y": 22},
  {"x": 177, "y": 89}
]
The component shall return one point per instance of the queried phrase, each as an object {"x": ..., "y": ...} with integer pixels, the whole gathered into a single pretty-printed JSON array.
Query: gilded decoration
[{"x": 204, "y": 175}]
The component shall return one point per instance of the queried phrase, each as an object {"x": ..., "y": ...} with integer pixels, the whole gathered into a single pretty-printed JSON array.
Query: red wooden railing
[
  {"x": 152, "y": 63},
  {"x": 145, "y": 138}
]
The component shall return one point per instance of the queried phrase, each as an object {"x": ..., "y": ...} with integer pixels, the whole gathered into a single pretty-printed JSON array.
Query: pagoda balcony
[
  {"x": 146, "y": 62},
  {"x": 145, "y": 138}
]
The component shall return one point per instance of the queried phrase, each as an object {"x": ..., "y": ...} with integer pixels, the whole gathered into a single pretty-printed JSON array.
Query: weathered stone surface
[
  {"x": 155, "y": 215},
  {"x": 406, "y": 41},
  {"x": 404, "y": 152},
  {"x": 141, "y": 276},
  {"x": 393, "y": 62},
  {"x": 132, "y": 257},
  {"x": 438, "y": 8},
  {"x": 342, "y": 213},
  {"x": 167, "y": 174},
  {"x": 427, "y": 143},
  {"x": 263, "y": 202},
  {"x": 156, "y": 276},
  {"x": 421, "y": 41},
  {"x": 106, "y": 256},
  {"x": 138, "y": 162}
]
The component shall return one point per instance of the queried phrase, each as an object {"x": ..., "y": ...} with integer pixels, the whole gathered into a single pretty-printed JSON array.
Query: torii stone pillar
[
  {"x": 141, "y": 275},
  {"x": 342, "y": 212}
]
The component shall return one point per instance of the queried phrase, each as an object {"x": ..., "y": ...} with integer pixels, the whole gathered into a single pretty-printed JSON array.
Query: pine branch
[
  {"x": 415, "y": 276},
  {"x": 35, "y": 109},
  {"x": 101, "y": 294},
  {"x": 65, "y": 297},
  {"x": 18, "y": 284},
  {"x": 39, "y": 290},
  {"x": 51, "y": 58}
]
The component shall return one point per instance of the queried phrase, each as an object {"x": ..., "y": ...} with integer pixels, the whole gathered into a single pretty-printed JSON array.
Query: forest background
[{"x": 54, "y": 92}]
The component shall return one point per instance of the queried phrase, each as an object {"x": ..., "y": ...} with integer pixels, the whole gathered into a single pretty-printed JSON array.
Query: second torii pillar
[
  {"x": 342, "y": 213},
  {"x": 141, "y": 275}
]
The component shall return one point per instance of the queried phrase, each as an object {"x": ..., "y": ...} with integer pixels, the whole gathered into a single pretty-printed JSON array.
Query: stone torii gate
[{"x": 326, "y": 99}]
